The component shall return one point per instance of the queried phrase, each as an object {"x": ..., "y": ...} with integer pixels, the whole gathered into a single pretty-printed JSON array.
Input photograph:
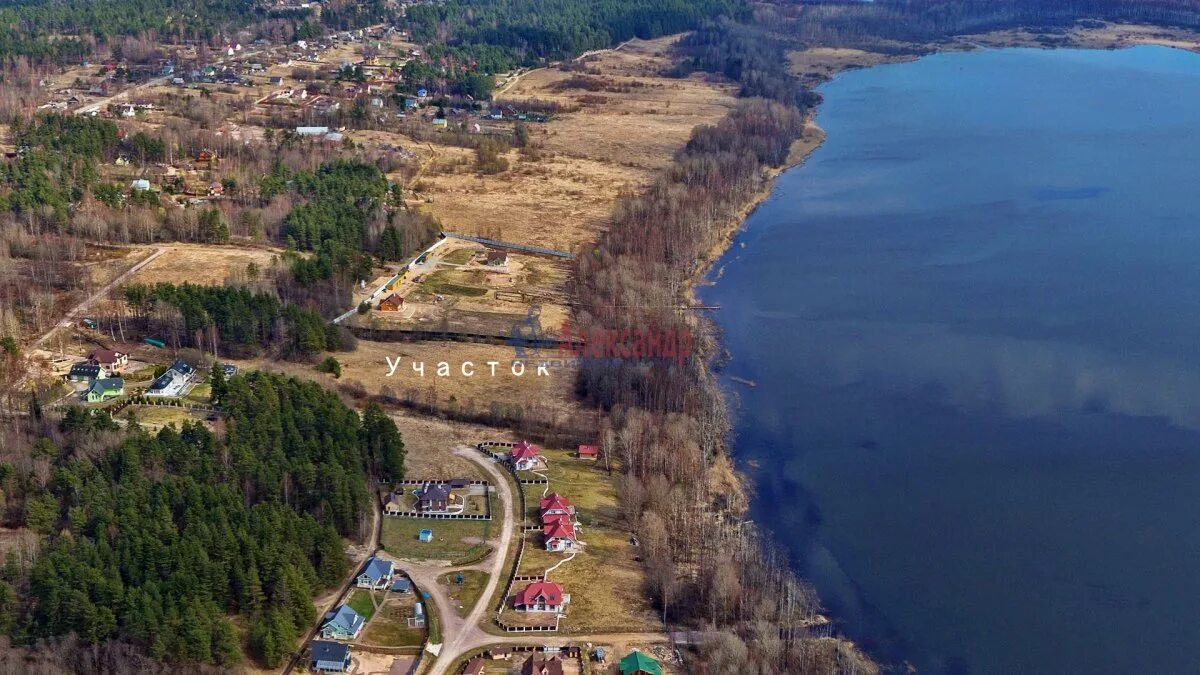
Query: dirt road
[
  {"x": 459, "y": 633},
  {"x": 73, "y": 315},
  {"x": 372, "y": 547}
]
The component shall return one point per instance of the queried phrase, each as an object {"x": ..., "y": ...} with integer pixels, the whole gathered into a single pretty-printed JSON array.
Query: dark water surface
[{"x": 974, "y": 322}]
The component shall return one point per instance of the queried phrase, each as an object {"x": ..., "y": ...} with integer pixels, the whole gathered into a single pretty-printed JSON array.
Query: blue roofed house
[
  {"x": 329, "y": 657},
  {"x": 342, "y": 623},
  {"x": 402, "y": 585},
  {"x": 376, "y": 574}
]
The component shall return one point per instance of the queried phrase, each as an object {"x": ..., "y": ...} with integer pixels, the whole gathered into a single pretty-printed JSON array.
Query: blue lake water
[{"x": 973, "y": 319}]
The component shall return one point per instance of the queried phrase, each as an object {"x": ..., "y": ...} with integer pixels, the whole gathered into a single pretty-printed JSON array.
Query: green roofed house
[
  {"x": 104, "y": 389},
  {"x": 637, "y": 663}
]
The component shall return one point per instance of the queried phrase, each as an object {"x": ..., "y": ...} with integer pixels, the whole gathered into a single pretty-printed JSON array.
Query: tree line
[
  {"x": 170, "y": 541},
  {"x": 878, "y": 24},
  {"x": 233, "y": 320},
  {"x": 667, "y": 422},
  {"x": 533, "y": 30}
]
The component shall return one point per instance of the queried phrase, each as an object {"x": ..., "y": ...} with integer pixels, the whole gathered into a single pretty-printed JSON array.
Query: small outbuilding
[
  {"x": 638, "y": 663},
  {"x": 392, "y": 303}
]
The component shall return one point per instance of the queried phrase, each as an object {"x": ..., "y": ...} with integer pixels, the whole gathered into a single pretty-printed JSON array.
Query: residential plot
[
  {"x": 467, "y": 287},
  {"x": 395, "y": 623},
  {"x": 207, "y": 265},
  {"x": 452, "y": 539}
]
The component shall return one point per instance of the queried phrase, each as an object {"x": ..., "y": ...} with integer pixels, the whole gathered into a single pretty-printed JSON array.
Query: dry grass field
[
  {"x": 612, "y": 142},
  {"x": 208, "y": 265},
  {"x": 644, "y": 116},
  {"x": 368, "y": 365}
]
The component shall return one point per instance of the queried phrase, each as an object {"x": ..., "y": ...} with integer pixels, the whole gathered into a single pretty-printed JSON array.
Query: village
[{"x": 492, "y": 556}]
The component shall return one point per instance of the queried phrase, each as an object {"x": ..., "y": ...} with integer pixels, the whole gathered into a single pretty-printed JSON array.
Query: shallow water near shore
[{"x": 973, "y": 322}]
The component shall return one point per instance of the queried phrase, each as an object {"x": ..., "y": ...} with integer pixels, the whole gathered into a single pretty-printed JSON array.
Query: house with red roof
[
  {"x": 555, "y": 504},
  {"x": 588, "y": 452},
  {"x": 524, "y": 456},
  {"x": 558, "y": 533},
  {"x": 541, "y": 596},
  {"x": 392, "y": 303}
]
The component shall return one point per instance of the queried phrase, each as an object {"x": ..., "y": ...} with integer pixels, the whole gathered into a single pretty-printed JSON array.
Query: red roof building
[
  {"x": 392, "y": 303},
  {"x": 558, "y": 533},
  {"x": 540, "y": 596},
  {"x": 555, "y": 504},
  {"x": 588, "y": 452},
  {"x": 524, "y": 455}
]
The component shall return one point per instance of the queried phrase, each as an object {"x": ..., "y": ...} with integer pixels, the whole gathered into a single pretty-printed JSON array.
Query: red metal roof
[
  {"x": 555, "y": 501},
  {"x": 589, "y": 450},
  {"x": 560, "y": 528},
  {"x": 546, "y": 591},
  {"x": 525, "y": 450}
]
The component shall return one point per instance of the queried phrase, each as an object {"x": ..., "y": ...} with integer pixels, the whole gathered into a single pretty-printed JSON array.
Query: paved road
[{"x": 73, "y": 315}]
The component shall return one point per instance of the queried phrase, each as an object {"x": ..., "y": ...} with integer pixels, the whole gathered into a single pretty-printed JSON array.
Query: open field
[
  {"x": 208, "y": 265},
  {"x": 588, "y": 157},
  {"x": 428, "y": 443},
  {"x": 452, "y": 539},
  {"x": 642, "y": 117},
  {"x": 368, "y": 365}
]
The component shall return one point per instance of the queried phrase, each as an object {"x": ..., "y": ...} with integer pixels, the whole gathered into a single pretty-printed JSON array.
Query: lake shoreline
[{"x": 823, "y": 65}]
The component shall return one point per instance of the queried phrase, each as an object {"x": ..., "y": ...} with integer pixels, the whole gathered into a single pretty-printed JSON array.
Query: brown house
[
  {"x": 110, "y": 359},
  {"x": 540, "y": 665},
  {"x": 392, "y": 303},
  {"x": 206, "y": 158}
]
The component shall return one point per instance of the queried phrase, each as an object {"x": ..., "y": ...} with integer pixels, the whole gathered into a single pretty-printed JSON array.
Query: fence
[
  {"x": 416, "y": 335},
  {"x": 515, "y": 577},
  {"x": 494, "y": 243},
  {"x": 475, "y": 488}
]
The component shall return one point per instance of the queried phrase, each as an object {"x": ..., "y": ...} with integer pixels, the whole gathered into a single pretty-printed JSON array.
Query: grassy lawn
[
  {"x": 431, "y": 622},
  {"x": 605, "y": 584},
  {"x": 583, "y": 482},
  {"x": 393, "y": 634},
  {"x": 460, "y": 257},
  {"x": 452, "y": 539},
  {"x": 390, "y": 629},
  {"x": 604, "y": 580},
  {"x": 443, "y": 282},
  {"x": 360, "y": 601},
  {"x": 477, "y": 505},
  {"x": 466, "y": 595},
  {"x": 201, "y": 393},
  {"x": 537, "y": 559},
  {"x": 161, "y": 416}
]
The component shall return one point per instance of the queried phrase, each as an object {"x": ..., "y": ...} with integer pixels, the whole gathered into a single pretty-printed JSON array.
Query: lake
[{"x": 972, "y": 318}]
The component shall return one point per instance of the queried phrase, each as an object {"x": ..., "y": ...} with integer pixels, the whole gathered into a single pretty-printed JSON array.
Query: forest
[
  {"x": 874, "y": 24},
  {"x": 667, "y": 421},
  {"x": 231, "y": 320},
  {"x": 34, "y": 27},
  {"x": 157, "y": 540},
  {"x": 531, "y": 30}
]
